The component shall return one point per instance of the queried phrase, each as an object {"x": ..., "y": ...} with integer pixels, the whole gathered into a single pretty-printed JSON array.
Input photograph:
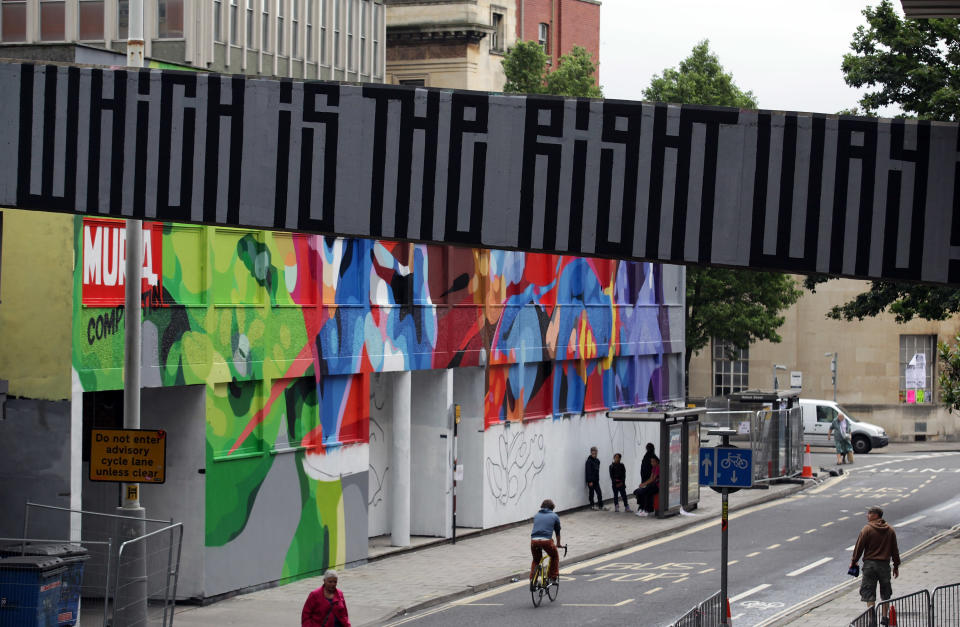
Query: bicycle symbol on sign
[{"x": 737, "y": 460}]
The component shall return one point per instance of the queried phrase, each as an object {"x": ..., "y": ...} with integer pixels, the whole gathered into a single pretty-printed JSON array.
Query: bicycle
[{"x": 541, "y": 584}]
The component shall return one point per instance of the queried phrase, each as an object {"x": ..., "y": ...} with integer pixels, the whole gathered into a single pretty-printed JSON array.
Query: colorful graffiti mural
[{"x": 285, "y": 329}]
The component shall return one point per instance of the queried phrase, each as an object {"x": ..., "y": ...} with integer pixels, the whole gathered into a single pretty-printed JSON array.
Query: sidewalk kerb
[{"x": 499, "y": 581}]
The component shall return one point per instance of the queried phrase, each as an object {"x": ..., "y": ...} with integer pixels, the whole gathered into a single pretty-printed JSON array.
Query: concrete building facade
[
  {"x": 875, "y": 379},
  {"x": 306, "y": 39}
]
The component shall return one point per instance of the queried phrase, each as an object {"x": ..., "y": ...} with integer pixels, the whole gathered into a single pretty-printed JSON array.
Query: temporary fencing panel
[
  {"x": 946, "y": 605},
  {"x": 867, "y": 619},
  {"x": 913, "y": 610},
  {"x": 708, "y": 613}
]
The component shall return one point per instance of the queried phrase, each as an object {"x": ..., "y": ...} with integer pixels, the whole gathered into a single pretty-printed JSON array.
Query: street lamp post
[{"x": 833, "y": 372}]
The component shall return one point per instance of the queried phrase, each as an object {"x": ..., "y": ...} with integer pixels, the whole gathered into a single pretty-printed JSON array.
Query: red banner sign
[{"x": 105, "y": 256}]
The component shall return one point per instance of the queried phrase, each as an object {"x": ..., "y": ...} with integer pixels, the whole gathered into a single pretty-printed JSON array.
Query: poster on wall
[
  {"x": 105, "y": 257},
  {"x": 916, "y": 374},
  {"x": 674, "y": 477}
]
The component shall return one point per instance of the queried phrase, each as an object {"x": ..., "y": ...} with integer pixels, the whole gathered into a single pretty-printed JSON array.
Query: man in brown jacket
[{"x": 878, "y": 546}]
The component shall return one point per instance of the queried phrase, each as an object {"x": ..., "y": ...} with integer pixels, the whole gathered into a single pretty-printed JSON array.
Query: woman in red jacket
[{"x": 325, "y": 606}]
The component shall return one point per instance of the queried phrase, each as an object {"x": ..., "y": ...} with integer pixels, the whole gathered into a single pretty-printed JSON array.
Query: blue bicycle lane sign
[{"x": 726, "y": 467}]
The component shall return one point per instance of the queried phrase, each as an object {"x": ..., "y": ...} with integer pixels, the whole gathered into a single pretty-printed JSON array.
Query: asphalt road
[{"x": 781, "y": 553}]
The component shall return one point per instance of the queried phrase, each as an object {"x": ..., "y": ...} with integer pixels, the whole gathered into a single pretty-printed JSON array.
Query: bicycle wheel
[
  {"x": 553, "y": 589},
  {"x": 536, "y": 587}
]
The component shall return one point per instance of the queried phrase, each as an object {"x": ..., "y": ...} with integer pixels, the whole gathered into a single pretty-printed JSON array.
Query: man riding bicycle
[{"x": 545, "y": 524}]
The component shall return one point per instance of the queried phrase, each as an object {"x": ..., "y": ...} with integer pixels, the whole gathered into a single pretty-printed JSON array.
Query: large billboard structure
[{"x": 767, "y": 190}]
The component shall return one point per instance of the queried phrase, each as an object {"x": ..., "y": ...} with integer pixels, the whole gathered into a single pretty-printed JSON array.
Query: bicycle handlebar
[{"x": 564, "y": 550}]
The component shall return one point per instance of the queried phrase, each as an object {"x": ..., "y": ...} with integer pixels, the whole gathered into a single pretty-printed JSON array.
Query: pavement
[{"x": 400, "y": 581}]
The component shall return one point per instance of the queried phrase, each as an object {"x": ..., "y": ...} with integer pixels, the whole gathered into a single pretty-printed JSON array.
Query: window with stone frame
[{"x": 730, "y": 367}]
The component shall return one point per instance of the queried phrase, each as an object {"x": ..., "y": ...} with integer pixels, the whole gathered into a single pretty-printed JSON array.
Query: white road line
[
  {"x": 827, "y": 524},
  {"x": 754, "y": 554},
  {"x": 946, "y": 507},
  {"x": 744, "y": 595},
  {"x": 909, "y": 521},
  {"x": 732, "y": 562},
  {"x": 809, "y": 530},
  {"x": 705, "y": 571},
  {"x": 654, "y": 590},
  {"x": 479, "y": 604},
  {"x": 843, "y": 518},
  {"x": 772, "y": 546},
  {"x": 850, "y": 548},
  {"x": 793, "y": 538},
  {"x": 631, "y": 600},
  {"x": 800, "y": 571}
]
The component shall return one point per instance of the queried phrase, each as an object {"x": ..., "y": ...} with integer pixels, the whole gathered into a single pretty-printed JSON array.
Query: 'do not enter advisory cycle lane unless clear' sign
[{"x": 128, "y": 455}]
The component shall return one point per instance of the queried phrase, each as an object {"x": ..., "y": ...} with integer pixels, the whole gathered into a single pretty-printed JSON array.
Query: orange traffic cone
[
  {"x": 729, "y": 618},
  {"x": 807, "y": 469},
  {"x": 893, "y": 617}
]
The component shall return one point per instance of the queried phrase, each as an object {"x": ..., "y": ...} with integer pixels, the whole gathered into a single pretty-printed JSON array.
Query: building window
[
  {"x": 250, "y": 24},
  {"x": 377, "y": 20},
  {"x": 217, "y": 20},
  {"x": 496, "y": 37},
  {"x": 412, "y": 82},
  {"x": 730, "y": 367},
  {"x": 90, "y": 20},
  {"x": 917, "y": 354},
  {"x": 52, "y": 20},
  {"x": 123, "y": 19},
  {"x": 265, "y": 26},
  {"x": 309, "y": 32},
  {"x": 280, "y": 14},
  {"x": 543, "y": 37},
  {"x": 170, "y": 19},
  {"x": 234, "y": 18},
  {"x": 364, "y": 12},
  {"x": 351, "y": 24},
  {"x": 295, "y": 28},
  {"x": 337, "y": 17},
  {"x": 324, "y": 15},
  {"x": 14, "y": 20}
]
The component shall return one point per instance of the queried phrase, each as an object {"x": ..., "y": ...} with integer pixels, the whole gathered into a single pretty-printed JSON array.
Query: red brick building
[{"x": 559, "y": 25}]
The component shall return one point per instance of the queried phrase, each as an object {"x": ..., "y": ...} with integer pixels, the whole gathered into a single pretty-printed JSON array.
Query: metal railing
[
  {"x": 912, "y": 610},
  {"x": 708, "y": 613},
  {"x": 145, "y": 587},
  {"x": 945, "y": 605}
]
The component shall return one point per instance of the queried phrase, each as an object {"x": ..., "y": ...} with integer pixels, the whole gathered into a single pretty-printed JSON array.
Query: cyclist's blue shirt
[{"x": 545, "y": 522}]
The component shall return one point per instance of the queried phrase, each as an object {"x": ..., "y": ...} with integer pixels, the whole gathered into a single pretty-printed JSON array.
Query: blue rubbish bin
[
  {"x": 72, "y": 557},
  {"x": 30, "y": 587}
]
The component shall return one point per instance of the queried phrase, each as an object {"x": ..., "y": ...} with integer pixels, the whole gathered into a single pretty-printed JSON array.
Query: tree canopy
[
  {"x": 914, "y": 64},
  {"x": 525, "y": 66},
  {"x": 739, "y": 306}
]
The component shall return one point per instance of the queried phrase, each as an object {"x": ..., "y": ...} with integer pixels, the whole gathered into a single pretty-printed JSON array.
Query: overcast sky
[{"x": 787, "y": 52}]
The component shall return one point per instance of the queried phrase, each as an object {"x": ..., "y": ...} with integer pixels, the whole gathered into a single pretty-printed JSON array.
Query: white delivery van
[{"x": 817, "y": 416}]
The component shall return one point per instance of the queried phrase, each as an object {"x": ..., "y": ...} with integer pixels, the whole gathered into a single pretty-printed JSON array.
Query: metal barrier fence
[
  {"x": 912, "y": 610},
  {"x": 708, "y": 613},
  {"x": 945, "y": 605},
  {"x": 130, "y": 582}
]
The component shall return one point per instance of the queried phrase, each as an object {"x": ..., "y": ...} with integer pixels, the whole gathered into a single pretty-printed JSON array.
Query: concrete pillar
[{"x": 400, "y": 461}]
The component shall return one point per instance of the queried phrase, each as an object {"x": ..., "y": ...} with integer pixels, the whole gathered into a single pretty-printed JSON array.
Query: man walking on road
[
  {"x": 592, "y": 477},
  {"x": 877, "y": 544}
]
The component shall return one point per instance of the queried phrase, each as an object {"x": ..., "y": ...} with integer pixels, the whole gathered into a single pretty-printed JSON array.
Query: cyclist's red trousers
[{"x": 536, "y": 548}]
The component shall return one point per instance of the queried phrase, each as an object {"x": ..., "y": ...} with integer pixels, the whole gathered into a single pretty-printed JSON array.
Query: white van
[{"x": 817, "y": 416}]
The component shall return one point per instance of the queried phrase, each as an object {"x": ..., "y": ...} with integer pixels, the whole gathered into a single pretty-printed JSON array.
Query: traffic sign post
[{"x": 725, "y": 469}]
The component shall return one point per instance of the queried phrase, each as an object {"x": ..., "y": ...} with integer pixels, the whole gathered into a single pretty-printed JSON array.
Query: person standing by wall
[
  {"x": 592, "y": 477},
  {"x": 618, "y": 481},
  {"x": 840, "y": 429},
  {"x": 646, "y": 467},
  {"x": 877, "y": 544}
]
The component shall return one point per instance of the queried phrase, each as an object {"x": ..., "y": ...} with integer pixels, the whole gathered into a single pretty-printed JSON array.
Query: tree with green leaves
[
  {"x": 525, "y": 66},
  {"x": 914, "y": 64},
  {"x": 738, "y": 306}
]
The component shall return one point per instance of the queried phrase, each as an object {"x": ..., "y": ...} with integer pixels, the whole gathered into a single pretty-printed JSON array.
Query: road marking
[
  {"x": 914, "y": 490},
  {"x": 744, "y": 595},
  {"x": 809, "y": 530},
  {"x": 737, "y": 616},
  {"x": 850, "y": 548},
  {"x": 754, "y": 554},
  {"x": 946, "y": 507},
  {"x": 631, "y": 600},
  {"x": 654, "y": 590},
  {"x": 793, "y": 538},
  {"x": 800, "y": 571},
  {"x": 478, "y": 604},
  {"x": 772, "y": 546},
  {"x": 909, "y": 521},
  {"x": 732, "y": 562},
  {"x": 843, "y": 518},
  {"x": 884, "y": 504},
  {"x": 705, "y": 571},
  {"x": 827, "y": 524},
  {"x": 597, "y": 604}
]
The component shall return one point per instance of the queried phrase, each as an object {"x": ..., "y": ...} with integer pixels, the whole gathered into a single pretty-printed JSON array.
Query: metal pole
[
  {"x": 132, "y": 607},
  {"x": 723, "y": 557},
  {"x": 456, "y": 423}
]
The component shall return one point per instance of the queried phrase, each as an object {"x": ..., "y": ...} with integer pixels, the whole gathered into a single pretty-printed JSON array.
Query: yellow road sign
[{"x": 130, "y": 455}]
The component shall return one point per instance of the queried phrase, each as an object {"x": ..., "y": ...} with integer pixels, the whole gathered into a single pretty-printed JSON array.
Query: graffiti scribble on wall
[{"x": 521, "y": 460}]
